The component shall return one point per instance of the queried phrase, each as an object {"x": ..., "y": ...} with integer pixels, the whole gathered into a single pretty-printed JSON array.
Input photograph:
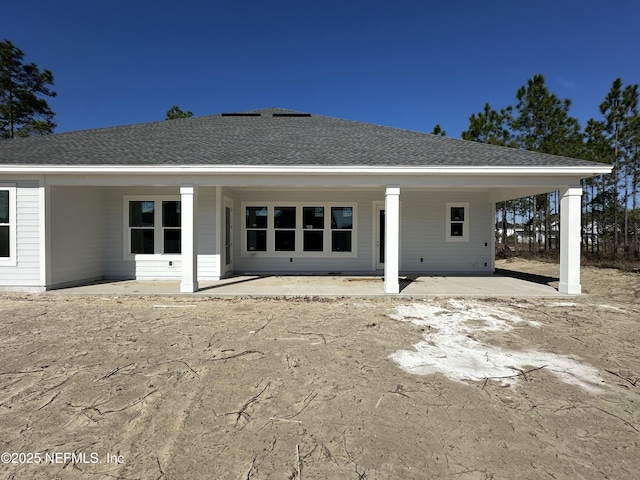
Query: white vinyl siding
[
  {"x": 77, "y": 237},
  {"x": 424, "y": 218},
  {"x": 118, "y": 265},
  {"x": 422, "y": 233},
  {"x": 24, "y": 269},
  {"x": 87, "y": 228}
]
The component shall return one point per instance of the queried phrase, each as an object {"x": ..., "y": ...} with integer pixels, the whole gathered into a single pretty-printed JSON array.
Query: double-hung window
[
  {"x": 287, "y": 229},
  {"x": 142, "y": 220},
  {"x": 256, "y": 228},
  {"x": 284, "y": 224},
  {"x": 7, "y": 225},
  {"x": 171, "y": 223},
  {"x": 153, "y": 226},
  {"x": 457, "y": 224},
  {"x": 313, "y": 229},
  {"x": 341, "y": 228}
]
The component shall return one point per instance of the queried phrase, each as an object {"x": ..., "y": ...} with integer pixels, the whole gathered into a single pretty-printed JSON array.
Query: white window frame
[
  {"x": 299, "y": 231},
  {"x": 158, "y": 233},
  {"x": 449, "y": 221},
  {"x": 11, "y": 260}
]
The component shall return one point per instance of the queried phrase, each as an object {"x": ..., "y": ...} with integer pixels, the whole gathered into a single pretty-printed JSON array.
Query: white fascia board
[{"x": 310, "y": 170}]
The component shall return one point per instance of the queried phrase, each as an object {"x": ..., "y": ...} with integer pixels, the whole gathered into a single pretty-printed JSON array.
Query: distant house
[
  {"x": 266, "y": 191},
  {"x": 510, "y": 229},
  {"x": 530, "y": 234}
]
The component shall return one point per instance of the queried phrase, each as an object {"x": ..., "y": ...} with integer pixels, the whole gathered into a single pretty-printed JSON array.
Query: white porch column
[
  {"x": 570, "y": 206},
  {"x": 189, "y": 199},
  {"x": 392, "y": 239}
]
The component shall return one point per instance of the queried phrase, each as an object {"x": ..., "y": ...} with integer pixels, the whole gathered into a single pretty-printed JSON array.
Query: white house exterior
[{"x": 267, "y": 191}]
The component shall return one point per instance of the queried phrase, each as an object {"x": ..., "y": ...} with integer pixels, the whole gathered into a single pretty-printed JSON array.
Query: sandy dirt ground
[{"x": 184, "y": 388}]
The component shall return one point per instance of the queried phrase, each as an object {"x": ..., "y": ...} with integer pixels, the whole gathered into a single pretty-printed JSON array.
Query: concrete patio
[{"x": 503, "y": 283}]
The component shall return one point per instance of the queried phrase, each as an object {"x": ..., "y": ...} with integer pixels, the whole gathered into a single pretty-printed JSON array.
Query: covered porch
[
  {"x": 404, "y": 237},
  {"x": 387, "y": 246}
]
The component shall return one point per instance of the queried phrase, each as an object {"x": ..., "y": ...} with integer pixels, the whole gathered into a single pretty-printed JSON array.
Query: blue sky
[{"x": 405, "y": 64}]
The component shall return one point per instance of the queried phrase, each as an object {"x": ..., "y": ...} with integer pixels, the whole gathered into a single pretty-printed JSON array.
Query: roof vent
[
  {"x": 241, "y": 114},
  {"x": 291, "y": 114}
]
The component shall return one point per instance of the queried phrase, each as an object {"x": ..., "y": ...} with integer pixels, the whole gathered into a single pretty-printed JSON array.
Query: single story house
[{"x": 265, "y": 191}]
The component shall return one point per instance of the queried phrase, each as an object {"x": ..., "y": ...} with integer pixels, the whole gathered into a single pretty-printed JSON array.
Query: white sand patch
[{"x": 449, "y": 348}]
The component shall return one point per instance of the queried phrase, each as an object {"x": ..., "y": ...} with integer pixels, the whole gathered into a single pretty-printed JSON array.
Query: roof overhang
[{"x": 572, "y": 171}]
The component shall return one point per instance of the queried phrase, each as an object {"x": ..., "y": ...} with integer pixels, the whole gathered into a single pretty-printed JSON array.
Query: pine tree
[
  {"x": 633, "y": 165},
  {"x": 597, "y": 149},
  {"x": 490, "y": 126},
  {"x": 437, "y": 130},
  {"x": 541, "y": 123},
  {"x": 175, "y": 112},
  {"x": 629, "y": 139},
  {"x": 619, "y": 109},
  {"x": 24, "y": 110}
]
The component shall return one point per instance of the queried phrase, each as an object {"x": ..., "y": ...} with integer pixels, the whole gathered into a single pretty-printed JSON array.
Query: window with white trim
[
  {"x": 284, "y": 224},
  {"x": 152, "y": 225},
  {"x": 313, "y": 229},
  {"x": 256, "y": 228},
  {"x": 7, "y": 225},
  {"x": 287, "y": 229},
  {"x": 341, "y": 228},
  {"x": 457, "y": 223}
]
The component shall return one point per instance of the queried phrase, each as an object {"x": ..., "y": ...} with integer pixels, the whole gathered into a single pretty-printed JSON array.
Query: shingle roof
[{"x": 269, "y": 137}]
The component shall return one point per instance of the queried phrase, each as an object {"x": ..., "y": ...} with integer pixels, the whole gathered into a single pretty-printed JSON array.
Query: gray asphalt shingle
[{"x": 264, "y": 140}]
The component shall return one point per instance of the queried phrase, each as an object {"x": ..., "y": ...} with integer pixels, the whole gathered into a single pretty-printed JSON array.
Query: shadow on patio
[
  {"x": 527, "y": 276},
  {"x": 504, "y": 283}
]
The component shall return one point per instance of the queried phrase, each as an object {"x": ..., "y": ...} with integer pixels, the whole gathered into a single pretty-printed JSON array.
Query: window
[
  {"x": 284, "y": 221},
  {"x": 313, "y": 229},
  {"x": 256, "y": 224},
  {"x": 457, "y": 224},
  {"x": 171, "y": 223},
  {"x": 142, "y": 221},
  {"x": 285, "y": 229},
  {"x": 154, "y": 226},
  {"x": 7, "y": 225},
  {"x": 341, "y": 227}
]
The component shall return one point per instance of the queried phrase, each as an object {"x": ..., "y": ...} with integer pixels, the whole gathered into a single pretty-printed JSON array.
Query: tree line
[{"x": 538, "y": 121}]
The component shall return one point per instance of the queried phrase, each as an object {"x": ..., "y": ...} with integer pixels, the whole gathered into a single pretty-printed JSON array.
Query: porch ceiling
[{"x": 504, "y": 185}]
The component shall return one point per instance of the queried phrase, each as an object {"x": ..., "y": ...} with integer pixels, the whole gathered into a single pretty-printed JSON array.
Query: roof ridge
[{"x": 273, "y": 110}]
